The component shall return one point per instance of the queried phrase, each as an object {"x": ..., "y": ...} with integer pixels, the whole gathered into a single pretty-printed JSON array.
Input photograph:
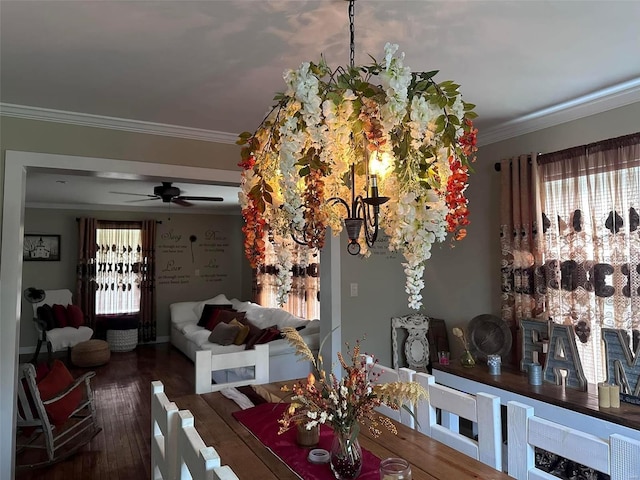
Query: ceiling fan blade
[
  {"x": 181, "y": 201},
  {"x": 151, "y": 197},
  {"x": 201, "y": 199},
  {"x": 136, "y": 194}
]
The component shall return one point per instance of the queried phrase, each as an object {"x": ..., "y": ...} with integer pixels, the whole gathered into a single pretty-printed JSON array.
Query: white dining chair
[
  {"x": 382, "y": 374},
  {"x": 163, "y": 434},
  {"x": 196, "y": 460},
  {"x": 617, "y": 456},
  {"x": 481, "y": 409}
]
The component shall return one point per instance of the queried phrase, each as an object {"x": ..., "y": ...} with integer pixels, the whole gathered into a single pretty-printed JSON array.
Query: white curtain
[
  {"x": 303, "y": 298},
  {"x": 591, "y": 204},
  {"x": 118, "y": 265}
]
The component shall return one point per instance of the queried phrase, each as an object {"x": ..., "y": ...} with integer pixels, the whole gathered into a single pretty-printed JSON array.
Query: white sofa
[{"x": 189, "y": 338}]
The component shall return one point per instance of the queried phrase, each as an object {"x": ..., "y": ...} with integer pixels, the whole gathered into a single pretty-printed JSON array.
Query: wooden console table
[{"x": 566, "y": 406}]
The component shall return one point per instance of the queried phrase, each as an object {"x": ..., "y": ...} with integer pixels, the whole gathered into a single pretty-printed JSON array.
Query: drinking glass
[
  {"x": 395, "y": 469},
  {"x": 443, "y": 358}
]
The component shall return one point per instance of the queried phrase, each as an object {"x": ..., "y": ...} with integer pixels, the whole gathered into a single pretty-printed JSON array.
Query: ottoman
[
  {"x": 91, "y": 353},
  {"x": 122, "y": 333}
]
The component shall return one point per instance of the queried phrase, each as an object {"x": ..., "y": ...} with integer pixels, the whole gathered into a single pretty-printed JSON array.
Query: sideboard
[{"x": 567, "y": 406}]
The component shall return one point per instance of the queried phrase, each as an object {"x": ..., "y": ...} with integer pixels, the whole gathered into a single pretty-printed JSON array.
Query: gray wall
[
  {"x": 463, "y": 281},
  {"x": 217, "y": 265}
]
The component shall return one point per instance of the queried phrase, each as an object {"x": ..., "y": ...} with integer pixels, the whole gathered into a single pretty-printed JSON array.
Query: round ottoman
[
  {"x": 122, "y": 333},
  {"x": 91, "y": 353}
]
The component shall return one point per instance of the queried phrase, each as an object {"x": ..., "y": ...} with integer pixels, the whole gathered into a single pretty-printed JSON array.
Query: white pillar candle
[
  {"x": 614, "y": 395},
  {"x": 604, "y": 397}
]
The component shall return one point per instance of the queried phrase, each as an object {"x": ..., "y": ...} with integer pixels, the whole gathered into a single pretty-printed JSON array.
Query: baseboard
[{"x": 32, "y": 349}]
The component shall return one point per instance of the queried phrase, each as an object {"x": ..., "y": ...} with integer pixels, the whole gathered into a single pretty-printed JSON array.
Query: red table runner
[{"x": 262, "y": 421}]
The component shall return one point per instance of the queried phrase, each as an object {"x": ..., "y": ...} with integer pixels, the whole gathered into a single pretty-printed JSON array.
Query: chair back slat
[
  {"x": 617, "y": 456},
  {"x": 196, "y": 460},
  {"x": 383, "y": 374},
  {"x": 460, "y": 403},
  {"x": 625, "y": 457},
  {"x": 448, "y": 405},
  {"x": 163, "y": 434}
]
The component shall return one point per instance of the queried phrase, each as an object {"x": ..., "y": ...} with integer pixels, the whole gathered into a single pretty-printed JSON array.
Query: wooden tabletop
[{"x": 249, "y": 458}]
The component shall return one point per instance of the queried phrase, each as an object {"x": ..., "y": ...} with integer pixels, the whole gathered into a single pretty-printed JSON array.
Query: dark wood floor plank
[{"x": 122, "y": 391}]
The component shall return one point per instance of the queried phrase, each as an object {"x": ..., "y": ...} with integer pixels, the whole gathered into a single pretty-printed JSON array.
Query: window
[
  {"x": 304, "y": 297},
  {"x": 118, "y": 265},
  {"x": 591, "y": 247}
]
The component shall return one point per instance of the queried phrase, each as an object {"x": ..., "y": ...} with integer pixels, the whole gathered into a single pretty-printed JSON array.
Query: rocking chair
[{"x": 53, "y": 429}]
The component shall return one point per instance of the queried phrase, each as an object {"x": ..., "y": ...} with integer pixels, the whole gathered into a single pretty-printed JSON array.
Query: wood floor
[{"x": 122, "y": 389}]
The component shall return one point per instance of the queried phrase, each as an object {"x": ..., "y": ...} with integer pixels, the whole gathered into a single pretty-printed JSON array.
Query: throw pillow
[
  {"x": 75, "y": 316},
  {"x": 266, "y": 335},
  {"x": 242, "y": 334},
  {"x": 45, "y": 313},
  {"x": 227, "y": 315},
  {"x": 56, "y": 381},
  {"x": 217, "y": 300},
  {"x": 210, "y": 310},
  {"x": 224, "y": 334},
  {"x": 270, "y": 334},
  {"x": 60, "y": 315}
]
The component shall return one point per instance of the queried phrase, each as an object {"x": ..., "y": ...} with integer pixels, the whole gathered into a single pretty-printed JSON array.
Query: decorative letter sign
[
  {"x": 563, "y": 355},
  {"x": 533, "y": 332},
  {"x": 623, "y": 367}
]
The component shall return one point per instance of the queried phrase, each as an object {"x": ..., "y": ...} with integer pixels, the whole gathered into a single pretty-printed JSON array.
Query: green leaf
[
  {"x": 453, "y": 119},
  {"x": 440, "y": 124},
  {"x": 468, "y": 106},
  {"x": 428, "y": 75},
  {"x": 268, "y": 197},
  {"x": 471, "y": 115},
  {"x": 304, "y": 171}
]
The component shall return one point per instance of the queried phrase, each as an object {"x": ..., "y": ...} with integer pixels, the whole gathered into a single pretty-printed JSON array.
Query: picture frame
[{"x": 41, "y": 248}]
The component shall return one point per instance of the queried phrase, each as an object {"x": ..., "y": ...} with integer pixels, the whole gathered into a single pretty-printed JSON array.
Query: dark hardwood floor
[{"x": 122, "y": 389}]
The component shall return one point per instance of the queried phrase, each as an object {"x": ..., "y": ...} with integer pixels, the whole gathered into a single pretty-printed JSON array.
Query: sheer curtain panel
[{"x": 591, "y": 203}]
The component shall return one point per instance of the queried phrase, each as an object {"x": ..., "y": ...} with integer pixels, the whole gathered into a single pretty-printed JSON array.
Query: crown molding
[
  {"x": 597, "y": 102},
  {"x": 113, "y": 123}
]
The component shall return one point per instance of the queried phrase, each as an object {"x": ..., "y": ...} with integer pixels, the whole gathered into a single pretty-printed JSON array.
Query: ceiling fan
[{"x": 169, "y": 194}]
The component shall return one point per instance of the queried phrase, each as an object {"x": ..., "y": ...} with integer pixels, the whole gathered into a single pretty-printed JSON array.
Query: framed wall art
[{"x": 41, "y": 248}]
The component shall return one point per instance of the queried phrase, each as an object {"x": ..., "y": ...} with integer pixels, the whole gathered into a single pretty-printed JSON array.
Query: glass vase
[
  {"x": 346, "y": 454},
  {"x": 466, "y": 359}
]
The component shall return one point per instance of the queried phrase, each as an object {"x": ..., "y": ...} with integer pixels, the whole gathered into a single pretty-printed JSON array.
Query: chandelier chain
[{"x": 352, "y": 33}]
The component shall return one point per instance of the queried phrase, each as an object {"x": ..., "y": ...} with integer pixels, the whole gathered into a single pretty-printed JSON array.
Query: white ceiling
[
  {"x": 68, "y": 191},
  {"x": 214, "y": 66}
]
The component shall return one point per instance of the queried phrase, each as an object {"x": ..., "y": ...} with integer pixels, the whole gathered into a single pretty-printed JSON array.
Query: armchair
[{"x": 58, "y": 338}]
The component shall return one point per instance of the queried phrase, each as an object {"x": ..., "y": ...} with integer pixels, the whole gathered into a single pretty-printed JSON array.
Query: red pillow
[
  {"x": 222, "y": 316},
  {"x": 56, "y": 381},
  {"x": 75, "y": 316},
  {"x": 266, "y": 335},
  {"x": 60, "y": 315}
]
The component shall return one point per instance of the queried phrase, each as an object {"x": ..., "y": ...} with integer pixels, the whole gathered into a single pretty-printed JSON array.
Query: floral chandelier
[{"x": 337, "y": 139}]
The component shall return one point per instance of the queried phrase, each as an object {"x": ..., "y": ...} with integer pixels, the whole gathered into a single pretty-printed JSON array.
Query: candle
[
  {"x": 604, "y": 396},
  {"x": 614, "y": 395}
]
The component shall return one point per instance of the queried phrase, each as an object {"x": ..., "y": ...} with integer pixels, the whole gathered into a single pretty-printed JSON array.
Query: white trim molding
[
  {"x": 600, "y": 101},
  {"x": 597, "y": 102},
  {"x": 114, "y": 123}
]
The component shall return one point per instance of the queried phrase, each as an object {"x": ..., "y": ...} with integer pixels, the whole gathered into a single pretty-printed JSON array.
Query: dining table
[{"x": 250, "y": 459}]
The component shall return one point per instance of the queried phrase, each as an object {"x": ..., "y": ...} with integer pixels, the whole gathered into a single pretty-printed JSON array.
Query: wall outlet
[
  {"x": 197, "y": 273},
  {"x": 354, "y": 289}
]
